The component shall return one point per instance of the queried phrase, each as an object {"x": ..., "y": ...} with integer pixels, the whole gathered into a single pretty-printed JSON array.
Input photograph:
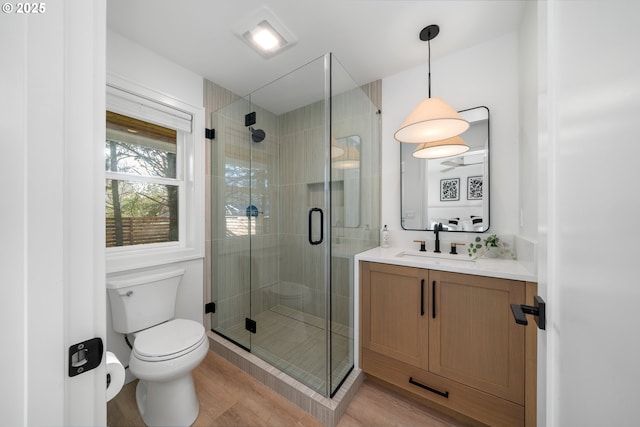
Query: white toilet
[
  {"x": 165, "y": 350},
  {"x": 292, "y": 295}
]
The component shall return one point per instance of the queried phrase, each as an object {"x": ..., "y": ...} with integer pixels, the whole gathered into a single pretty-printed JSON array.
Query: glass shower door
[
  {"x": 290, "y": 248},
  {"x": 231, "y": 226}
]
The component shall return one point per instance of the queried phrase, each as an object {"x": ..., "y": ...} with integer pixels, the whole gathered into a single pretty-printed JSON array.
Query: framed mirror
[
  {"x": 345, "y": 181},
  {"x": 453, "y": 191}
]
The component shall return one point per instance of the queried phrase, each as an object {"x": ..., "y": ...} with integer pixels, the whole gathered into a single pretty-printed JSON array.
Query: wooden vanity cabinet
[{"x": 447, "y": 337}]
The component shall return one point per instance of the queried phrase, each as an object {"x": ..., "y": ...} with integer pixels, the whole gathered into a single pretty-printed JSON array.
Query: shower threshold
[{"x": 327, "y": 410}]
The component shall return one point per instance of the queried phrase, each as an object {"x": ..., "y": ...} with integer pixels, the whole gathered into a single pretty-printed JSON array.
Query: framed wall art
[
  {"x": 474, "y": 187},
  {"x": 449, "y": 189}
]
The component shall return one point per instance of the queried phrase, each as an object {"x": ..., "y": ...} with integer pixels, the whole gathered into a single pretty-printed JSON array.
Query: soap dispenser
[{"x": 384, "y": 237}]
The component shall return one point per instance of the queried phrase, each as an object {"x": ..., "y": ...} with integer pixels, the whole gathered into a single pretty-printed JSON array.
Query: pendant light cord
[{"x": 429, "y": 62}]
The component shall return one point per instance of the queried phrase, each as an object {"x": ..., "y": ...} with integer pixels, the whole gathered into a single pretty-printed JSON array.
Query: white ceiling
[{"x": 371, "y": 39}]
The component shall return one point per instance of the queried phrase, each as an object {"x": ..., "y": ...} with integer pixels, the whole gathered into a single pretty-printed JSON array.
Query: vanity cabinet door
[
  {"x": 473, "y": 338},
  {"x": 394, "y": 313}
]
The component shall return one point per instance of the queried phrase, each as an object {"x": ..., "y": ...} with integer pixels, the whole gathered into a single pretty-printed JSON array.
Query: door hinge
[
  {"x": 210, "y": 307},
  {"x": 85, "y": 356},
  {"x": 250, "y": 325},
  {"x": 210, "y": 133},
  {"x": 250, "y": 119}
]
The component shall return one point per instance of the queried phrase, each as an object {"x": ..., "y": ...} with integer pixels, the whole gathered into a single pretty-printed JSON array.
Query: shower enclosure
[{"x": 295, "y": 194}]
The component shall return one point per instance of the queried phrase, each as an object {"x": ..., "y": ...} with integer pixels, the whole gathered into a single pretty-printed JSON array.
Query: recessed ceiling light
[
  {"x": 264, "y": 32},
  {"x": 265, "y": 38}
]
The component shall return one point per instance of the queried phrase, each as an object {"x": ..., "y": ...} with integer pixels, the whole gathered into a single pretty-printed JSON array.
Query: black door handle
[
  {"x": 433, "y": 299},
  {"x": 311, "y": 211},
  {"x": 538, "y": 310},
  {"x": 422, "y": 297}
]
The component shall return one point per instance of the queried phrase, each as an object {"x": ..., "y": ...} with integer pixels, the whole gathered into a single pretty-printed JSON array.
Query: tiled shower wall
[{"x": 301, "y": 132}]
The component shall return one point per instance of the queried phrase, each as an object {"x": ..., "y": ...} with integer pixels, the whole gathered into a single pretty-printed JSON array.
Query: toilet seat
[{"x": 168, "y": 340}]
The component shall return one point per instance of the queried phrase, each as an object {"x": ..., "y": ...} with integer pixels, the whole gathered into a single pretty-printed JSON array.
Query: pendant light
[
  {"x": 437, "y": 149},
  {"x": 349, "y": 160},
  {"x": 336, "y": 150},
  {"x": 349, "y": 157},
  {"x": 433, "y": 119}
]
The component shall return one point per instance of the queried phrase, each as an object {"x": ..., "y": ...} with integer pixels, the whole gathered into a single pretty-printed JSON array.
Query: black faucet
[{"x": 437, "y": 231}]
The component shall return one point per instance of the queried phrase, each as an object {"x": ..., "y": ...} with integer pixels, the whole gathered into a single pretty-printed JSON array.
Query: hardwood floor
[
  {"x": 230, "y": 397},
  {"x": 377, "y": 406}
]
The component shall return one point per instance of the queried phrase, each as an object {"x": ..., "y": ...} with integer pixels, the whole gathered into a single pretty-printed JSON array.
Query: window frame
[
  {"x": 178, "y": 181},
  {"x": 189, "y": 177}
]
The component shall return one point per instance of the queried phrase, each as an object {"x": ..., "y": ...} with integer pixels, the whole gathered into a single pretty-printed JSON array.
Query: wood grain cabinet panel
[
  {"x": 394, "y": 312},
  {"x": 454, "y": 335},
  {"x": 473, "y": 337}
]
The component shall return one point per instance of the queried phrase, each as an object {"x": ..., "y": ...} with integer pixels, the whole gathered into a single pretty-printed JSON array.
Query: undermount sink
[{"x": 441, "y": 255}]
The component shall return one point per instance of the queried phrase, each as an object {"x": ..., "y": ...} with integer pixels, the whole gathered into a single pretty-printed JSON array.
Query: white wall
[
  {"x": 528, "y": 129},
  {"x": 140, "y": 65},
  {"x": 486, "y": 74},
  {"x": 134, "y": 63}
]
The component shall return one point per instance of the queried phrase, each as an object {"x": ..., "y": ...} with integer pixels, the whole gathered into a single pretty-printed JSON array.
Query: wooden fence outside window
[{"x": 138, "y": 230}]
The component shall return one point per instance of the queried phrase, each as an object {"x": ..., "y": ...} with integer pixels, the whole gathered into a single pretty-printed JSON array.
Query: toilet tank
[{"x": 141, "y": 300}]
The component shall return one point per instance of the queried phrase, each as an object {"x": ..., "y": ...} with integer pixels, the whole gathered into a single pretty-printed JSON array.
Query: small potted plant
[{"x": 491, "y": 246}]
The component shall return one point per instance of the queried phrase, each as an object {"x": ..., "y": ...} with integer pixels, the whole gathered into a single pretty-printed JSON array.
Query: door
[
  {"x": 290, "y": 195},
  {"x": 232, "y": 222},
  {"x": 588, "y": 262},
  {"x": 472, "y": 336},
  {"x": 53, "y": 242}
]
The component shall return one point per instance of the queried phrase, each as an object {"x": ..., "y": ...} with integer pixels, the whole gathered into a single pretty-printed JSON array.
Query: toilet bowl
[
  {"x": 292, "y": 295},
  {"x": 165, "y": 349},
  {"x": 162, "y": 359}
]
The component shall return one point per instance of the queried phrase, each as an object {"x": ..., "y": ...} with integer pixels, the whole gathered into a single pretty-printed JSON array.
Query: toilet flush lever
[{"x": 85, "y": 356}]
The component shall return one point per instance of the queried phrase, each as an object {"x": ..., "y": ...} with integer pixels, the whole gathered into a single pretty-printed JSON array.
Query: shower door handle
[{"x": 311, "y": 211}]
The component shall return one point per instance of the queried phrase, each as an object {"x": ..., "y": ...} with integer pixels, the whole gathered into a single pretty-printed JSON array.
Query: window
[
  {"x": 154, "y": 178},
  {"x": 142, "y": 182}
]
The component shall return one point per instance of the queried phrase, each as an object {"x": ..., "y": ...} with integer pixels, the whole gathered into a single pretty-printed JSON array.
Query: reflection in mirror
[
  {"x": 453, "y": 191},
  {"x": 345, "y": 160}
]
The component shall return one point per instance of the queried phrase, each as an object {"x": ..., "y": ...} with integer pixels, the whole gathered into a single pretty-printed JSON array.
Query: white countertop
[{"x": 491, "y": 267}]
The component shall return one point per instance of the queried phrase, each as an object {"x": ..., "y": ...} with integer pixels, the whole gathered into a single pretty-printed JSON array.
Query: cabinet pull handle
[
  {"x": 444, "y": 394},
  {"x": 422, "y": 297},
  {"x": 433, "y": 300}
]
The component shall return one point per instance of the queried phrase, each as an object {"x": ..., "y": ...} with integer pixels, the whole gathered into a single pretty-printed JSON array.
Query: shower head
[{"x": 257, "y": 135}]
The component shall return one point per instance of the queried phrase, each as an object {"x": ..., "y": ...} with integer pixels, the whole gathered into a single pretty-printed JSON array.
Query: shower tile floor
[{"x": 294, "y": 342}]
